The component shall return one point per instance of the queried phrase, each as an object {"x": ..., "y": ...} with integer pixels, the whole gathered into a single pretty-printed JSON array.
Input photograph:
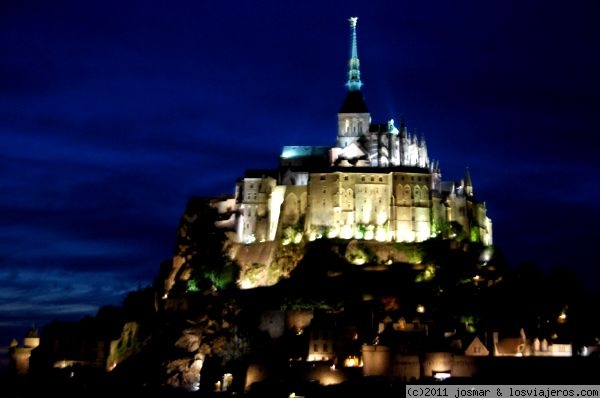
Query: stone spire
[
  {"x": 468, "y": 183},
  {"x": 353, "y": 83}
]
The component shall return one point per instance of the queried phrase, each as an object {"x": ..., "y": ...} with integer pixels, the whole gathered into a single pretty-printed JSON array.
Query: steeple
[
  {"x": 353, "y": 117},
  {"x": 354, "y": 101},
  {"x": 353, "y": 83},
  {"x": 468, "y": 183}
]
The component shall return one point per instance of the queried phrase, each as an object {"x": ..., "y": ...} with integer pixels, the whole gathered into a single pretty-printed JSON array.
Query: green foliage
[
  {"x": 306, "y": 304},
  {"x": 192, "y": 286},
  {"x": 292, "y": 234},
  {"x": 414, "y": 251},
  {"x": 474, "y": 235},
  {"x": 202, "y": 244},
  {"x": 360, "y": 253}
]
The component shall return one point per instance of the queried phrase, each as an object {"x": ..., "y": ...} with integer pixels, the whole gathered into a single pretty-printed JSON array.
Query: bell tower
[{"x": 353, "y": 117}]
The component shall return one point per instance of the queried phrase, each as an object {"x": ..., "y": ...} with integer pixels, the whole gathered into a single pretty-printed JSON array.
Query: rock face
[
  {"x": 126, "y": 346},
  {"x": 222, "y": 304},
  {"x": 208, "y": 329}
]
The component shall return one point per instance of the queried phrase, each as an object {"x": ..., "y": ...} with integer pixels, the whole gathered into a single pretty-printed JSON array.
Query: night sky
[{"x": 114, "y": 113}]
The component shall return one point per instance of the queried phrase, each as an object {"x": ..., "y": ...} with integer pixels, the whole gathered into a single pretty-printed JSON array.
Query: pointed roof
[
  {"x": 353, "y": 83},
  {"x": 354, "y": 101},
  {"x": 468, "y": 181}
]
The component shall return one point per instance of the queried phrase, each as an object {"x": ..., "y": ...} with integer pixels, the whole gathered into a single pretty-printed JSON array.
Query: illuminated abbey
[{"x": 376, "y": 183}]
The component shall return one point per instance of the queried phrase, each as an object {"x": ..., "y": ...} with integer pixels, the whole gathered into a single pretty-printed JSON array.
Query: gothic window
[
  {"x": 399, "y": 192},
  {"x": 407, "y": 193},
  {"x": 417, "y": 194},
  {"x": 380, "y": 179},
  {"x": 325, "y": 347}
]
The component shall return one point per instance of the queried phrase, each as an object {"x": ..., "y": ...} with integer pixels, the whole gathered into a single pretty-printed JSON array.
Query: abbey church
[{"x": 376, "y": 183}]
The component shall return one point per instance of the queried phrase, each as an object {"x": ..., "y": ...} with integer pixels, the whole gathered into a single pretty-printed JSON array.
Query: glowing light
[
  {"x": 420, "y": 308},
  {"x": 246, "y": 284},
  {"x": 486, "y": 255},
  {"x": 439, "y": 376},
  {"x": 562, "y": 318},
  {"x": 381, "y": 234},
  {"x": 358, "y": 261},
  {"x": 353, "y": 362}
]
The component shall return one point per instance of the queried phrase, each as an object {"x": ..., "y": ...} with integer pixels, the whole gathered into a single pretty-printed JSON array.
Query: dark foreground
[{"x": 93, "y": 383}]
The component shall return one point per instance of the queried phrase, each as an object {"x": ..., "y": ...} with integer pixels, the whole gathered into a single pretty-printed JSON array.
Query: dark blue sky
[{"x": 114, "y": 113}]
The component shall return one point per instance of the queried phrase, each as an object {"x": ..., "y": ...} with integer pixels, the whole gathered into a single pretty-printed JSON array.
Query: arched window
[{"x": 407, "y": 193}]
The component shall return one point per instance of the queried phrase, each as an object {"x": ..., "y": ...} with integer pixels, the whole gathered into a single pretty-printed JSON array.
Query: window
[
  {"x": 323, "y": 178},
  {"x": 325, "y": 347}
]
